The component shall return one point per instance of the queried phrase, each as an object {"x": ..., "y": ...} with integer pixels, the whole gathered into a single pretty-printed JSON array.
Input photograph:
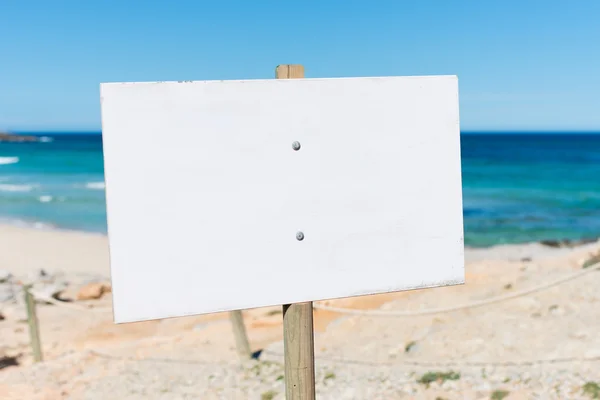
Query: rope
[
  {"x": 450, "y": 364},
  {"x": 161, "y": 360},
  {"x": 522, "y": 363},
  {"x": 392, "y": 313},
  {"x": 423, "y": 364},
  {"x": 384, "y": 313}
]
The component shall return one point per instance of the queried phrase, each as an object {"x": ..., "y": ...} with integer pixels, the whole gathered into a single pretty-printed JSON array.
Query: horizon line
[{"x": 465, "y": 131}]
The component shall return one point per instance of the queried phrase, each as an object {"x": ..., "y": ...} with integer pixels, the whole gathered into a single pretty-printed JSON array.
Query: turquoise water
[
  {"x": 516, "y": 188},
  {"x": 523, "y": 188},
  {"x": 56, "y": 183}
]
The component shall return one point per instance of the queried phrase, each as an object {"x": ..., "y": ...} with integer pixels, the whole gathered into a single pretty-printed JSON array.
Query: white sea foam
[
  {"x": 45, "y": 199},
  {"x": 7, "y": 187},
  {"x": 42, "y": 226},
  {"x": 26, "y": 224},
  {"x": 46, "y": 139},
  {"x": 8, "y": 160},
  {"x": 95, "y": 185}
]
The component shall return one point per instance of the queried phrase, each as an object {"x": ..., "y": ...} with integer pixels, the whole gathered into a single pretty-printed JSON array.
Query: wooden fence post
[
  {"x": 34, "y": 331},
  {"x": 298, "y": 334},
  {"x": 241, "y": 338}
]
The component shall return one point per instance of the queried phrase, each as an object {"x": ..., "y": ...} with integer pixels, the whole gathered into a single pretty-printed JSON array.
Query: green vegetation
[
  {"x": 592, "y": 389},
  {"x": 329, "y": 375},
  {"x": 591, "y": 261},
  {"x": 270, "y": 395},
  {"x": 439, "y": 377},
  {"x": 499, "y": 394},
  {"x": 264, "y": 370}
]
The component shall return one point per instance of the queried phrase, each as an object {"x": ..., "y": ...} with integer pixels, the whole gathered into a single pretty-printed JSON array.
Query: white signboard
[{"x": 213, "y": 207}]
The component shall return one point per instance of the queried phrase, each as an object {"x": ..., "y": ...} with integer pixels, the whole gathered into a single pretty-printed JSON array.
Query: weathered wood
[
  {"x": 239, "y": 332},
  {"x": 34, "y": 332},
  {"x": 299, "y": 351},
  {"x": 289, "y": 71},
  {"x": 298, "y": 336}
]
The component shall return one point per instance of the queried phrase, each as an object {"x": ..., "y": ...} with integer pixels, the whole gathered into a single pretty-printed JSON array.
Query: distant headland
[{"x": 9, "y": 137}]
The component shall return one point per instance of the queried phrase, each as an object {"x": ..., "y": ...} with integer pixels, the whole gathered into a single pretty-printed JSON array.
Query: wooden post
[
  {"x": 34, "y": 332},
  {"x": 241, "y": 338},
  {"x": 299, "y": 351},
  {"x": 298, "y": 335}
]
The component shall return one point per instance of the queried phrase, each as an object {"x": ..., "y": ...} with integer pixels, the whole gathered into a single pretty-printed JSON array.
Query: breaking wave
[
  {"x": 7, "y": 187},
  {"x": 8, "y": 160},
  {"x": 95, "y": 185}
]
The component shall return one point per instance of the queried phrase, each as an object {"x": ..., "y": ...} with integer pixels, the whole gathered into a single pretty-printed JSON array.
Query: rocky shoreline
[
  {"x": 12, "y": 138},
  {"x": 568, "y": 242}
]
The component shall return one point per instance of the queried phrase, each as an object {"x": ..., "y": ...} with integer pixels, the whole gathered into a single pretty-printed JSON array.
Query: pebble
[
  {"x": 7, "y": 292},
  {"x": 48, "y": 290},
  {"x": 5, "y": 276},
  {"x": 93, "y": 291},
  {"x": 38, "y": 276}
]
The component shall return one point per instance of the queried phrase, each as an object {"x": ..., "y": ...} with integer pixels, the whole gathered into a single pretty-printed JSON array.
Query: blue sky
[{"x": 522, "y": 65}]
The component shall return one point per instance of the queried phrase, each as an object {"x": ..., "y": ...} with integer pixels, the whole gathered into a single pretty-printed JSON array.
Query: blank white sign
[{"x": 205, "y": 194}]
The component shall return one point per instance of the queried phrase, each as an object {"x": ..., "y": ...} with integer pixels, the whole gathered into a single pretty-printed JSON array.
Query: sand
[
  {"x": 25, "y": 250},
  {"x": 89, "y": 357}
]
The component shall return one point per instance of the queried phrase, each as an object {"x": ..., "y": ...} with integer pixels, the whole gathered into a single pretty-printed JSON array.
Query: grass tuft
[
  {"x": 270, "y": 395},
  {"x": 591, "y": 261},
  {"x": 592, "y": 389},
  {"x": 329, "y": 375},
  {"x": 439, "y": 377},
  {"x": 499, "y": 394}
]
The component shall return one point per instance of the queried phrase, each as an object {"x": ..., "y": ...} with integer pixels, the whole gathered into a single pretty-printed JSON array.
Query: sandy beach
[
  {"x": 540, "y": 345},
  {"x": 27, "y": 250}
]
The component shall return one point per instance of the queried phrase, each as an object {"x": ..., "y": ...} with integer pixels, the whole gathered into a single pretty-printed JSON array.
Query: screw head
[
  {"x": 296, "y": 146},
  {"x": 299, "y": 236}
]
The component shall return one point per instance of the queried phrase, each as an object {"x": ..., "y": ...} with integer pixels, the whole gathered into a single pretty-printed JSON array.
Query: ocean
[
  {"x": 56, "y": 183},
  {"x": 517, "y": 188}
]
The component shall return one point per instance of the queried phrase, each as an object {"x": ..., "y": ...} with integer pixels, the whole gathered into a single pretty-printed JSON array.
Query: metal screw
[
  {"x": 299, "y": 235},
  {"x": 296, "y": 146}
]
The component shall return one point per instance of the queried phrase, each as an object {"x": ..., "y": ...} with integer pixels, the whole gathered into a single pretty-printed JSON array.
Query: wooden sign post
[
  {"x": 239, "y": 333},
  {"x": 298, "y": 334},
  {"x": 239, "y": 194},
  {"x": 32, "y": 320}
]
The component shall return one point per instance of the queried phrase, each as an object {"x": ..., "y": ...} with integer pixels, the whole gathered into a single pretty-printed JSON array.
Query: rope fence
[
  {"x": 383, "y": 313},
  {"x": 450, "y": 364},
  {"x": 417, "y": 364},
  {"x": 30, "y": 294},
  {"x": 481, "y": 303}
]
